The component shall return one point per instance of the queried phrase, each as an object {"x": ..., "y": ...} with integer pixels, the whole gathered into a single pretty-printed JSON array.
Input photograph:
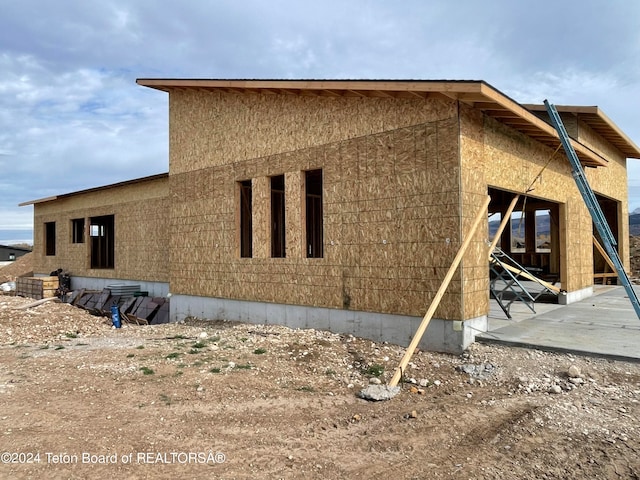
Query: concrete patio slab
[{"x": 603, "y": 325}]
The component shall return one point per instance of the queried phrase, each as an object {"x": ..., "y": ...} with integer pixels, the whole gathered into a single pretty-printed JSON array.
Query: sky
[{"x": 72, "y": 116}]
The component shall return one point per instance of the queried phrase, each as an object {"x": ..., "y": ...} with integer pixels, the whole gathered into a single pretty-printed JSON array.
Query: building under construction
[{"x": 341, "y": 204}]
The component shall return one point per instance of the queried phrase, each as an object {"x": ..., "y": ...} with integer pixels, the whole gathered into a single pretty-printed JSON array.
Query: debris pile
[
  {"x": 22, "y": 267},
  {"x": 137, "y": 308},
  {"x": 46, "y": 323}
]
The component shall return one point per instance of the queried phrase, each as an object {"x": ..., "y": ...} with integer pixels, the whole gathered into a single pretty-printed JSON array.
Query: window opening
[
  {"x": 494, "y": 223},
  {"x": 278, "y": 240},
  {"x": 246, "y": 236},
  {"x": 77, "y": 230},
  {"x": 101, "y": 231},
  {"x": 314, "y": 222},
  {"x": 543, "y": 231},
  {"x": 50, "y": 238},
  {"x": 518, "y": 232}
]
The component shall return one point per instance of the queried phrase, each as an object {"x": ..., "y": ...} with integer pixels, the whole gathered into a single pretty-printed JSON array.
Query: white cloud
[{"x": 72, "y": 117}]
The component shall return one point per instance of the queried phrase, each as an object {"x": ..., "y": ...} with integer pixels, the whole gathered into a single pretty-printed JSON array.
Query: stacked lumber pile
[{"x": 36, "y": 287}]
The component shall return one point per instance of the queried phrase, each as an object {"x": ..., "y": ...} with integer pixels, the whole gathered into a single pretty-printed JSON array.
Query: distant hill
[
  {"x": 634, "y": 224},
  {"x": 544, "y": 225}
]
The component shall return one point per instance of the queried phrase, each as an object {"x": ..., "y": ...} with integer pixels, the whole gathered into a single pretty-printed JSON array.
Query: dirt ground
[
  {"x": 80, "y": 399},
  {"x": 22, "y": 267}
]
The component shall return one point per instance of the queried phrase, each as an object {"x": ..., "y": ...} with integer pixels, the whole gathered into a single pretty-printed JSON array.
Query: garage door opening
[
  {"x": 604, "y": 273},
  {"x": 532, "y": 236}
]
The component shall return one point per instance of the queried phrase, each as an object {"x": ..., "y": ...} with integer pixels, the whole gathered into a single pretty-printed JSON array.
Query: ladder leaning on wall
[{"x": 608, "y": 240}]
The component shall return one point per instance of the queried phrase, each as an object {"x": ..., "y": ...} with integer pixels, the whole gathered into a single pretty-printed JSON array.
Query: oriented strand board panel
[
  {"x": 141, "y": 214},
  {"x": 217, "y": 128},
  {"x": 391, "y": 224},
  {"x": 493, "y": 155},
  {"x": 402, "y": 181}
]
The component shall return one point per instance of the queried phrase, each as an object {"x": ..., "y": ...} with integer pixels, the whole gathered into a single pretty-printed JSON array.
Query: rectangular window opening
[
  {"x": 50, "y": 238},
  {"x": 495, "y": 218},
  {"x": 518, "y": 232},
  {"x": 543, "y": 231},
  {"x": 314, "y": 222},
  {"x": 246, "y": 236},
  {"x": 278, "y": 240},
  {"x": 102, "y": 233},
  {"x": 77, "y": 230}
]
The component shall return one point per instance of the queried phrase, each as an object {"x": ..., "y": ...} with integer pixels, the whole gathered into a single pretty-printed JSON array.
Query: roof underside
[
  {"x": 600, "y": 123},
  {"x": 477, "y": 94}
]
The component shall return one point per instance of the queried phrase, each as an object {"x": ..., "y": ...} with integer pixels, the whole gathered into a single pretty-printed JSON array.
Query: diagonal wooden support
[
  {"x": 482, "y": 212},
  {"x": 606, "y": 257},
  {"x": 528, "y": 276},
  {"x": 503, "y": 224}
]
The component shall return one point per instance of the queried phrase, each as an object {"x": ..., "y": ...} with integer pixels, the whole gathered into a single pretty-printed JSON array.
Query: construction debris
[
  {"x": 480, "y": 371},
  {"x": 138, "y": 309},
  {"x": 37, "y": 287},
  {"x": 379, "y": 392},
  {"x": 38, "y": 302},
  {"x": 22, "y": 267},
  {"x": 134, "y": 306}
]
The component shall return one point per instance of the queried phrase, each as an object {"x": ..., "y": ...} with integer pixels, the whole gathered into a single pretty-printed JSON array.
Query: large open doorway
[
  {"x": 603, "y": 272},
  {"x": 532, "y": 236},
  {"x": 525, "y": 266},
  {"x": 101, "y": 231}
]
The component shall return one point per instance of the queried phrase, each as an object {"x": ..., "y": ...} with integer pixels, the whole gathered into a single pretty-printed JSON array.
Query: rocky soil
[
  {"x": 79, "y": 399},
  {"x": 22, "y": 267},
  {"x": 634, "y": 254}
]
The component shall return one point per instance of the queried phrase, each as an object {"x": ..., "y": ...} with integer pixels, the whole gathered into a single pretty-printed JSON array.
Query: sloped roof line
[
  {"x": 95, "y": 189},
  {"x": 595, "y": 118},
  {"x": 476, "y": 93}
]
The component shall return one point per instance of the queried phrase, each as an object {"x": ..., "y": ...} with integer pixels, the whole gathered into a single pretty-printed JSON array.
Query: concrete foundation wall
[
  {"x": 441, "y": 335},
  {"x": 575, "y": 296}
]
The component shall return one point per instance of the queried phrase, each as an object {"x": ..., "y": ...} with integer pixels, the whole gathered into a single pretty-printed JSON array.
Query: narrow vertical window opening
[
  {"x": 50, "y": 238},
  {"x": 314, "y": 222},
  {"x": 278, "y": 240},
  {"x": 543, "y": 231},
  {"x": 246, "y": 236},
  {"x": 518, "y": 235}
]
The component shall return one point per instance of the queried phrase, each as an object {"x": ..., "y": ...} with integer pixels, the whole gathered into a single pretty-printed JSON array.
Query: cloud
[
  {"x": 72, "y": 117},
  {"x": 60, "y": 132}
]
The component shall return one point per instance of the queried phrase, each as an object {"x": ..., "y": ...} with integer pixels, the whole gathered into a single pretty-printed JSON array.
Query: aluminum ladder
[
  {"x": 504, "y": 283},
  {"x": 505, "y": 287},
  {"x": 608, "y": 240}
]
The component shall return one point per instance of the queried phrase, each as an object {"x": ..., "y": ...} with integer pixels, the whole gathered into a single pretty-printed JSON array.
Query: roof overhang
[
  {"x": 477, "y": 94},
  {"x": 19, "y": 249},
  {"x": 595, "y": 118},
  {"x": 95, "y": 189}
]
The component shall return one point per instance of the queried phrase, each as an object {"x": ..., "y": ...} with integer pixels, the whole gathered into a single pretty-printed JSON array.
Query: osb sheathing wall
[
  {"x": 391, "y": 184},
  {"x": 610, "y": 181},
  {"x": 141, "y": 214},
  {"x": 493, "y": 155},
  {"x": 216, "y": 128}
]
